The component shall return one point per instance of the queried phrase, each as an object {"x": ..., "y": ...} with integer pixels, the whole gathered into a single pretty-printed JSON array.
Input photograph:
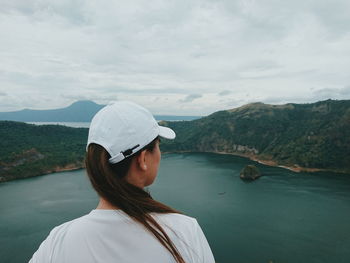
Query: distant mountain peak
[
  {"x": 79, "y": 111},
  {"x": 84, "y": 103}
]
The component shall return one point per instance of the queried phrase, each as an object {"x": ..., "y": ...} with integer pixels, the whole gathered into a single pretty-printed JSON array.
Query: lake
[
  {"x": 87, "y": 124},
  {"x": 282, "y": 217},
  {"x": 68, "y": 124}
]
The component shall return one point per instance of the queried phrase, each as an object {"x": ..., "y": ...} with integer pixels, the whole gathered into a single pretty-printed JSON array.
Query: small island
[{"x": 250, "y": 173}]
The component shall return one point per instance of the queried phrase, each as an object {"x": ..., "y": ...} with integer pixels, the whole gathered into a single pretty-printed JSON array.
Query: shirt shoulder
[
  {"x": 47, "y": 247},
  {"x": 188, "y": 236},
  {"x": 176, "y": 219},
  {"x": 180, "y": 224}
]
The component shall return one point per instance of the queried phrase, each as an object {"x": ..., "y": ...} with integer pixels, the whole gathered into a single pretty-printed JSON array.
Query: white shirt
[{"x": 112, "y": 236}]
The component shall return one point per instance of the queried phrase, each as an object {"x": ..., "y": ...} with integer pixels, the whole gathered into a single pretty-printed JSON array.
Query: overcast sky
[{"x": 173, "y": 57}]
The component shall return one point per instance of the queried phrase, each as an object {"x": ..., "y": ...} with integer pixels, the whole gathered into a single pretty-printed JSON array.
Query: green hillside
[
  {"x": 313, "y": 135},
  {"x": 27, "y": 150}
]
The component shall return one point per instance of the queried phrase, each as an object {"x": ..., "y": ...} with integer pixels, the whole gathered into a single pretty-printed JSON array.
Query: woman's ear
[{"x": 141, "y": 160}]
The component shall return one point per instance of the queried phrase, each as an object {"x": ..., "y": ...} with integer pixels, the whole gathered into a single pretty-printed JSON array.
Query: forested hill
[
  {"x": 295, "y": 135},
  {"x": 28, "y": 150},
  {"x": 313, "y": 135}
]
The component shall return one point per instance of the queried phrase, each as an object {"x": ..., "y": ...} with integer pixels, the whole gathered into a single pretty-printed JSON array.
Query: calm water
[
  {"x": 87, "y": 124},
  {"x": 68, "y": 124},
  {"x": 282, "y": 217}
]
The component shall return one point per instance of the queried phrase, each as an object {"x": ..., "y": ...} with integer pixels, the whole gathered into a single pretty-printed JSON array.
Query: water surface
[{"x": 282, "y": 217}]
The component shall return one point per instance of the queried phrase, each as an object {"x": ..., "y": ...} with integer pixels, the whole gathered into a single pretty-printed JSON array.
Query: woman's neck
[{"x": 104, "y": 204}]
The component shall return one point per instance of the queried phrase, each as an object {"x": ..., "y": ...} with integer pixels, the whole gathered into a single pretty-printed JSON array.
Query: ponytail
[{"x": 109, "y": 182}]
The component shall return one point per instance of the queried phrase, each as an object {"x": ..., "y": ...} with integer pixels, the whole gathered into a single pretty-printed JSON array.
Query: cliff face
[{"x": 299, "y": 135}]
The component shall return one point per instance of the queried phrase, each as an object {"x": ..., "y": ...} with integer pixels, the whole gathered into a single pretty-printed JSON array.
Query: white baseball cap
[{"x": 123, "y": 128}]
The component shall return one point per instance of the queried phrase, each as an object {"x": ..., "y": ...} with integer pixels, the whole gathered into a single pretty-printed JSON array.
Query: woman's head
[
  {"x": 123, "y": 128},
  {"x": 144, "y": 165},
  {"x": 130, "y": 135},
  {"x": 122, "y": 157},
  {"x": 139, "y": 169}
]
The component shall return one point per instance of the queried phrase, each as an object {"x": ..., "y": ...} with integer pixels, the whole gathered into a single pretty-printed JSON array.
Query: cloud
[
  {"x": 73, "y": 11},
  {"x": 332, "y": 93},
  {"x": 2, "y": 94},
  {"x": 311, "y": 95},
  {"x": 190, "y": 98},
  {"x": 345, "y": 91},
  {"x": 224, "y": 93},
  {"x": 61, "y": 50}
]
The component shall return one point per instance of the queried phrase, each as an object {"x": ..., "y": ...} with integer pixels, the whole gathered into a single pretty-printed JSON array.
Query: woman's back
[
  {"x": 122, "y": 159},
  {"x": 112, "y": 236}
]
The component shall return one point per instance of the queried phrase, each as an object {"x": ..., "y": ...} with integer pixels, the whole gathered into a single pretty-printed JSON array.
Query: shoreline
[
  {"x": 67, "y": 168},
  {"x": 272, "y": 163},
  {"x": 56, "y": 169}
]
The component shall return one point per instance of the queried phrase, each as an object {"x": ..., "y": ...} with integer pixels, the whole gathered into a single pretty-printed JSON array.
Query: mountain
[
  {"x": 300, "y": 136},
  {"x": 307, "y": 137},
  {"x": 80, "y": 111}
]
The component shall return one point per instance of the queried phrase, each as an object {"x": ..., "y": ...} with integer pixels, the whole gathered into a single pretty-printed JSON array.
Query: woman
[{"x": 128, "y": 225}]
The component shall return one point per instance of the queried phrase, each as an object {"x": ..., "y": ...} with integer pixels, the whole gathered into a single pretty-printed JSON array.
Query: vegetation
[
  {"x": 250, "y": 173},
  {"x": 296, "y": 135},
  {"x": 28, "y": 150}
]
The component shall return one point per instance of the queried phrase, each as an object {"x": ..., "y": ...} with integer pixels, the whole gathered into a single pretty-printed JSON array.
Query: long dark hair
[{"x": 109, "y": 182}]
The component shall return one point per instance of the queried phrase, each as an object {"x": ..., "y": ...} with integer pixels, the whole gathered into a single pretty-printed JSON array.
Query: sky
[{"x": 183, "y": 57}]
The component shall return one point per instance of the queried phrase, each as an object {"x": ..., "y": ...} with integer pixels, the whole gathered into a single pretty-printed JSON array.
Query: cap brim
[{"x": 166, "y": 133}]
